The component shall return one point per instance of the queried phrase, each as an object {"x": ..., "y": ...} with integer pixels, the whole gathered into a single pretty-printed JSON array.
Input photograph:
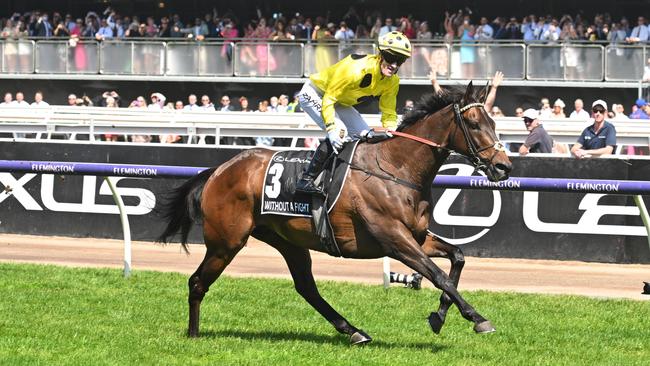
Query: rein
[{"x": 473, "y": 157}]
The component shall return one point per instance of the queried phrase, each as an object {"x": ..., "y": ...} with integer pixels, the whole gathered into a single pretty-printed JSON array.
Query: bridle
[
  {"x": 474, "y": 151},
  {"x": 472, "y": 157}
]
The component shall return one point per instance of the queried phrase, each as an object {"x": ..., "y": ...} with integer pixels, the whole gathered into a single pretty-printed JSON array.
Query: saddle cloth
[{"x": 279, "y": 195}]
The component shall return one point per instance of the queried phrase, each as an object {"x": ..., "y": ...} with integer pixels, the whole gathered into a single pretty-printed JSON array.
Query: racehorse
[{"x": 383, "y": 209}]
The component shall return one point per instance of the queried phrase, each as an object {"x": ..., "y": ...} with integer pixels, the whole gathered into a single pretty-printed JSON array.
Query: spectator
[
  {"x": 20, "y": 100},
  {"x": 279, "y": 32},
  {"x": 157, "y": 102},
  {"x": 72, "y": 100},
  {"x": 191, "y": 103},
  {"x": 558, "y": 109},
  {"x": 639, "y": 33},
  {"x": 8, "y": 100},
  {"x": 640, "y": 111},
  {"x": 579, "y": 112},
  {"x": 225, "y": 104},
  {"x": 139, "y": 102},
  {"x": 484, "y": 32},
  {"x": 512, "y": 30},
  {"x": 273, "y": 104},
  {"x": 376, "y": 29},
  {"x": 423, "y": 31},
  {"x": 206, "y": 105},
  {"x": 243, "y": 104},
  {"x": 178, "y": 105},
  {"x": 344, "y": 34},
  {"x": 265, "y": 140},
  {"x": 519, "y": 112},
  {"x": 38, "y": 100},
  {"x": 61, "y": 30},
  {"x": 406, "y": 27},
  {"x": 283, "y": 105},
  {"x": 545, "y": 108},
  {"x": 619, "y": 112},
  {"x": 165, "y": 30},
  {"x": 361, "y": 32},
  {"x": 294, "y": 106},
  {"x": 598, "y": 139},
  {"x": 492, "y": 95},
  {"x": 388, "y": 27},
  {"x": 111, "y": 102},
  {"x": 408, "y": 106},
  {"x": 538, "y": 140},
  {"x": 496, "y": 112},
  {"x": 177, "y": 25},
  {"x": 43, "y": 27},
  {"x": 105, "y": 31}
]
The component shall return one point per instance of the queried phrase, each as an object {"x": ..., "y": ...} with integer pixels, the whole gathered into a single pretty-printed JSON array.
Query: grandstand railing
[
  {"x": 69, "y": 122},
  {"x": 474, "y": 60}
]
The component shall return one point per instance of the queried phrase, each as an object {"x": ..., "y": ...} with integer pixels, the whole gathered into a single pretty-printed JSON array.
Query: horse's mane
[{"x": 431, "y": 103}]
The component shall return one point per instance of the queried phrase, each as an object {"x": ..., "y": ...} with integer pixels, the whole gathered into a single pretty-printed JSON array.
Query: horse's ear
[
  {"x": 469, "y": 94},
  {"x": 484, "y": 93}
]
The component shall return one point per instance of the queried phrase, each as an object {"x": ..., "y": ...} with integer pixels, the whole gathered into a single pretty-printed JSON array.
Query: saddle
[{"x": 279, "y": 196}]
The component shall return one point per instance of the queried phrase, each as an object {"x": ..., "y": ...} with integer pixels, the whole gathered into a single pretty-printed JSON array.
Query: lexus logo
[{"x": 441, "y": 215}]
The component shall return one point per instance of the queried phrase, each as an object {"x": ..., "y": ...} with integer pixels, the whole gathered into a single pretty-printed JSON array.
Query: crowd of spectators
[
  {"x": 158, "y": 102},
  {"x": 459, "y": 25}
]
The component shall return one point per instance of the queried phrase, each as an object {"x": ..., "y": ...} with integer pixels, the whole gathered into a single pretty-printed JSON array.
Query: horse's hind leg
[
  {"x": 435, "y": 247},
  {"x": 299, "y": 262},
  {"x": 219, "y": 254}
]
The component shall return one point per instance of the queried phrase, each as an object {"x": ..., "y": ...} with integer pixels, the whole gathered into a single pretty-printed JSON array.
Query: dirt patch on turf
[{"x": 260, "y": 260}]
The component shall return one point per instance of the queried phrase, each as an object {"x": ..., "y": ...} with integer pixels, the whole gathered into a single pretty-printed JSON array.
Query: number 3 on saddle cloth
[{"x": 279, "y": 195}]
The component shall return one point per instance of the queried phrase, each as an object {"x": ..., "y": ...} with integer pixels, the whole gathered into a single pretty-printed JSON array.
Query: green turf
[{"x": 52, "y": 316}]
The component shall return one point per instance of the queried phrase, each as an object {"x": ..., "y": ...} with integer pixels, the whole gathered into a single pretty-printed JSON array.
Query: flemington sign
[{"x": 600, "y": 225}]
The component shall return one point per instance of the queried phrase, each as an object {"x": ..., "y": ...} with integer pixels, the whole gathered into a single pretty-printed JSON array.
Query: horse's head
[{"x": 473, "y": 135}]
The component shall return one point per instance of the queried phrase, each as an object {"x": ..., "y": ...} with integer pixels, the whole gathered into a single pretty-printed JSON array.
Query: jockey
[{"x": 328, "y": 98}]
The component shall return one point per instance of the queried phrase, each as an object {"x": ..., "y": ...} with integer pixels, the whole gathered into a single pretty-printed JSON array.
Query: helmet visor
[{"x": 393, "y": 58}]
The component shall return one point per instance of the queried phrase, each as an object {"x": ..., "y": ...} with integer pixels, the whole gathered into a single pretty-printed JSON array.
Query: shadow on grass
[{"x": 338, "y": 340}]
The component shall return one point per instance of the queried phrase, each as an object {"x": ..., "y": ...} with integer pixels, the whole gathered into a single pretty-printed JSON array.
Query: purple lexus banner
[{"x": 441, "y": 181}]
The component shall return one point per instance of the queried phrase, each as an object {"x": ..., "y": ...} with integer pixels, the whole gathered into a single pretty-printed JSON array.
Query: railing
[
  {"x": 474, "y": 60},
  {"x": 74, "y": 121}
]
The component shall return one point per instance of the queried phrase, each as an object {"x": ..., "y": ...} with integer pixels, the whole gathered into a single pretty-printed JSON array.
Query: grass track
[{"x": 53, "y": 315}]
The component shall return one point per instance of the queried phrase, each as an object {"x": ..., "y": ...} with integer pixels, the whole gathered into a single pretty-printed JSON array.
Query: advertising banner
[{"x": 539, "y": 225}]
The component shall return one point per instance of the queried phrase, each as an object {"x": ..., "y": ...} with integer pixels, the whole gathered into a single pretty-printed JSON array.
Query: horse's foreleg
[
  {"x": 435, "y": 247},
  {"x": 299, "y": 261},
  {"x": 412, "y": 255}
]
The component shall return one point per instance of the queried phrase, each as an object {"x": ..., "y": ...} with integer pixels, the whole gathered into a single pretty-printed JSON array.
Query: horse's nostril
[{"x": 506, "y": 168}]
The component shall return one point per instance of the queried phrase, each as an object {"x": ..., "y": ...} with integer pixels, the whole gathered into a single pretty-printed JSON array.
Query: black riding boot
[{"x": 306, "y": 183}]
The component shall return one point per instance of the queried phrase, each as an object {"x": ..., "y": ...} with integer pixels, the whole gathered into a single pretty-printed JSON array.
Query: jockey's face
[{"x": 387, "y": 69}]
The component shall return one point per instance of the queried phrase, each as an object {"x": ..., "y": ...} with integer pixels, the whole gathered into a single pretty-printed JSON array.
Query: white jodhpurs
[{"x": 311, "y": 101}]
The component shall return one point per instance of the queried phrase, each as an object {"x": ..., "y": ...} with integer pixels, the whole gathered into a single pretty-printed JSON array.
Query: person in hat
[
  {"x": 329, "y": 97},
  {"x": 538, "y": 140},
  {"x": 640, "y": 112},
  {"x": 558, "y": 109},
  {"x": 597, "y": 139}
]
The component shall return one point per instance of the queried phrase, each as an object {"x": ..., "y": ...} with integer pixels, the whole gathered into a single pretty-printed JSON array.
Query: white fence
[{"x": 43, "y": 123}]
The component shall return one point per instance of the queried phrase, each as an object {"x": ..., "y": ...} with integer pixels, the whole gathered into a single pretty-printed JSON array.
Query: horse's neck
[{"x": 414, "y": 159}]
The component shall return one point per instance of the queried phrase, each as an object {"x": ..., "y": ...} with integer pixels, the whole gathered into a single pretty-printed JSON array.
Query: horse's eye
[{"x": 474, "y": 125}]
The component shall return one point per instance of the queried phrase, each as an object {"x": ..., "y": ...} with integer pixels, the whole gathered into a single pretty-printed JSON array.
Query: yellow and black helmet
[{"x": 396, "y": 43}]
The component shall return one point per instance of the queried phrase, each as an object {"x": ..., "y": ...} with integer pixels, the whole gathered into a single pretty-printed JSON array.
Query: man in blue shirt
[{"x": 597, "y": 139}]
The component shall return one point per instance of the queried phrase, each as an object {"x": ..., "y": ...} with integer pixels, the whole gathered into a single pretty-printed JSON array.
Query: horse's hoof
[
  {"x": 359, "y": 338},
  {"x": 436, "y": 322},
  {"x": 484, "y": 327}
]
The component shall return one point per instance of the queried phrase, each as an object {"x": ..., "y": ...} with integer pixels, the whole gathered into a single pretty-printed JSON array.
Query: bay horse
[{"x": 383, "y": 209}]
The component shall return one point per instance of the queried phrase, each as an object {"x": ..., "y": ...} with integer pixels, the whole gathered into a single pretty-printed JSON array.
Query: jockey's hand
[{"x": 337, "y": 137}]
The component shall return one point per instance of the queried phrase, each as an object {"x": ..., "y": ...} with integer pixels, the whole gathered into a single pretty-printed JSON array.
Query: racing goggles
[{"x": 392, "y": 58}]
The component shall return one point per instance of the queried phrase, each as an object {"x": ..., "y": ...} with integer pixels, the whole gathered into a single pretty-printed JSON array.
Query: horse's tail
[{"x": 182, "y": 207}]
